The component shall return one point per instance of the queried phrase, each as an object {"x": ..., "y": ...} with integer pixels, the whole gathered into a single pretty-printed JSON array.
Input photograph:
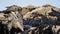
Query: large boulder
[
  {"x": 31, "y": 7},
  {"x": 28, "y": 8},
  {"x": 14, "y": 8}
]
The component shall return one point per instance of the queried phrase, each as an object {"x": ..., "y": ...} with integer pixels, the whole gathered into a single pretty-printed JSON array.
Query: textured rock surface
[{"x": 30, "y": 19}]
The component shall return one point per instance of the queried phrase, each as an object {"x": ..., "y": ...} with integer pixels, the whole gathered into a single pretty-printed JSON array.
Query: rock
[
  {"x": 24, "y": 11},
  {"x": 14, "y": 8}
]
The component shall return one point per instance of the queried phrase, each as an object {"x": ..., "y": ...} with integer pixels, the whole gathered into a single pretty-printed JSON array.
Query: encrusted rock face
[
  {"x": 46, "y": 13},
  {"x": 30, "y": 18},
  {"x": 41, "y": 10}
]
